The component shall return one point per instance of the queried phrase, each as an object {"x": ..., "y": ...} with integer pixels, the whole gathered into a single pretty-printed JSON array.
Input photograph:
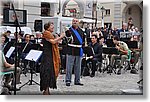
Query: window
[
  {"x": 72, "y": 9},
  {"x": 6, "y": 5},
  {"x": 107, "y": 12},
  {"x": 129, "y": 11},
  {"x": 45, "y": 9}
]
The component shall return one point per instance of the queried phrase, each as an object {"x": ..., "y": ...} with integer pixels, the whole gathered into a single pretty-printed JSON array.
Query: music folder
[
  {"x": 88, "y": 50},
  {"x": 34, "y": 55},
  {"x": 125, "y": 34},
  {"x": 10, "y": 51},
  {"x": 33, "y": 41},
  {"x": 110, "y": 50},
  {"x": 133, "y": 44},
  {"x": 110, "y": 43},
  {"x": 36, "y": 47}
]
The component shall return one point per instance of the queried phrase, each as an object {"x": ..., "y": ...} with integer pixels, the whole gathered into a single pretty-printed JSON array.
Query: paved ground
[{"x": 102, "y": 84}]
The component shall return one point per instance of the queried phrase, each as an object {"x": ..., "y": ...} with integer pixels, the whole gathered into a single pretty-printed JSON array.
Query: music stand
[
  {"x": 125, "y": 36},
  {"x": 88, "y": 51},
  {"x": 33, "y": 56},
  {"x": 37, "y": 47},
  {"x": 110, "y": 43},
  {"x": 132, "y": 44},
  {"x": 110, "y": 51}
]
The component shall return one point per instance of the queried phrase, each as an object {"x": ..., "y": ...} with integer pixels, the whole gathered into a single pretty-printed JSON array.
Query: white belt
[{"x": 72, "y": 45}]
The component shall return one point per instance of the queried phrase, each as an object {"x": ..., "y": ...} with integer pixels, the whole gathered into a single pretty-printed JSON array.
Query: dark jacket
[
  {"x": 97, "y": 50},
  {"x": 74, "y": 50}
]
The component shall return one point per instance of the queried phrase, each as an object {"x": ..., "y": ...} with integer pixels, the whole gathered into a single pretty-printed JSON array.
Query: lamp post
[{"x": 102, "y": 10}]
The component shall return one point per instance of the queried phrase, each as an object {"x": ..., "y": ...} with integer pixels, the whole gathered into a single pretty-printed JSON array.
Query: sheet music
[
  {"x": 10, "y": 51},
  {"x": 122, "y": 34},
  {"x": 125, "y": 34},
  {"x": 33, "y": 55}
]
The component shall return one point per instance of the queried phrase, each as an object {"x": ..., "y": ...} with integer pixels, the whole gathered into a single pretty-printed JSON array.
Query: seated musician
[
  {"x": 23, "y": 54},
  {"x": 2, "y": 43},
  {"x": 6, "y": 67},
  {"x": 123, "y": 50},
  {"x": 27, "y": 38},
  {"x": 19, "y": 37},
  {"x": 27, "y": 42},
  {"x": 97, "y": 48},
  {"x": 102, "y": 41},
  {"x": 137, "y": 52}
]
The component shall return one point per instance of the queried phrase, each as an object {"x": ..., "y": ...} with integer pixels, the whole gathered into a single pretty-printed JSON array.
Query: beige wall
[
  {"x": 109, "y": 18},
  {"x": 34, "y": 10},
  {"x": 136, "y": 12}
]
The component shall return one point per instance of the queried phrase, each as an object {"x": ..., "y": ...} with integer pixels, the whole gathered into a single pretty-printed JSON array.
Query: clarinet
[{"x": 85, "y": 40}]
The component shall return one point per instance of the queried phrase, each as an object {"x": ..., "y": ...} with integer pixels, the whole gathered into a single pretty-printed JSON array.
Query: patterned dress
[{"x": 50, "y": 63}]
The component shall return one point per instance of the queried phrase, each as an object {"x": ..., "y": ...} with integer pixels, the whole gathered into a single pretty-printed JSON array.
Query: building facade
[
  {"x": 119, "y": 12},
  {"x": 116, "y": 11}
]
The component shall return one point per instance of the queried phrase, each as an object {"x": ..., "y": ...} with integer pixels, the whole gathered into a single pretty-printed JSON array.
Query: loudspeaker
[{"x": 38, "y": 25}]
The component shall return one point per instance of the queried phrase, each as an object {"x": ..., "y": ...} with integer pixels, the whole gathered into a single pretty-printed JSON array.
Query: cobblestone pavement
[{"x": 101, "y": 84}]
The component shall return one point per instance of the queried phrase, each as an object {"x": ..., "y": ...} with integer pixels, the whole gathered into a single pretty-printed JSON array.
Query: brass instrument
[{"x": 86, "y": 41}]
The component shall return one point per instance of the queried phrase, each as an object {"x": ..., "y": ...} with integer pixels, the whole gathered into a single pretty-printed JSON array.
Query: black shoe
[
  {"x": 5, "y": 91},
  {"x": 67, "y": 84},
  {"x": 109, "y": 71},
  {"x": 92, "y": 75},
  {"x": 100, "y": 70},
  {"x": 129, "y": 68},
  {"x": 78, "y": 84},
  {"x": 133, "y": 71},
  {"x": 119, "y": 72},
  {"x": 13, "y": 89}
]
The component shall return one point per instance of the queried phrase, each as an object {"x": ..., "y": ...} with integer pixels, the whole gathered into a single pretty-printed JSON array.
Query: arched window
[{"x": 71, "y": 9}]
